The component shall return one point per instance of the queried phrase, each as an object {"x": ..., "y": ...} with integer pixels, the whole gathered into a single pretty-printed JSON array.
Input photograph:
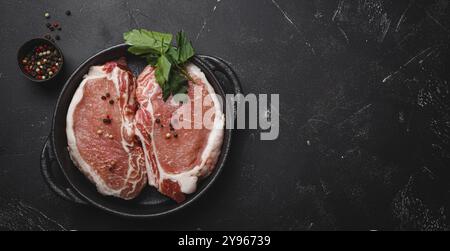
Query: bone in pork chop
[
  {"x": 100, "y": 131},
  {"x": 177, "y": 158}
]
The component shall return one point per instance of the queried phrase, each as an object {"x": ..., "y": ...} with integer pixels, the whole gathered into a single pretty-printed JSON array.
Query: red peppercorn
[{"x": 42, "y": 62}]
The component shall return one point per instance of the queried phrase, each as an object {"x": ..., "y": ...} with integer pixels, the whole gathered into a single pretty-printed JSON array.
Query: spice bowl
[{"x": 40, "y": 60}]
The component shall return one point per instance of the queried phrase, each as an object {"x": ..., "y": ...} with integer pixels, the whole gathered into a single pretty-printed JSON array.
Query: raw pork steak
[
  {"x": 100, "y": 131},
  {"x": 177, "y": 158}
]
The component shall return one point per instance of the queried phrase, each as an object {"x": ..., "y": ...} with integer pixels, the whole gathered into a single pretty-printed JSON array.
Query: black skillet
[{"x": 74, "y": 186}]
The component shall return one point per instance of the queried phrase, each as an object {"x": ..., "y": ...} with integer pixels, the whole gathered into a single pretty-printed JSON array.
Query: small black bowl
[{"x": 27, "y": 47}]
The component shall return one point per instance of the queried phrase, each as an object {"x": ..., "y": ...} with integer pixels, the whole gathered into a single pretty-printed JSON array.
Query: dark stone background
[{"x": 365, "y": 125}]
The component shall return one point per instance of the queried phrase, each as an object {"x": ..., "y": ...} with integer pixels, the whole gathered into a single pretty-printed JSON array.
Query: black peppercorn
[
  {"x": 107, "y": 121},
  {"x": 38, "y": 63},
  {"x": 68, "y": 13}
]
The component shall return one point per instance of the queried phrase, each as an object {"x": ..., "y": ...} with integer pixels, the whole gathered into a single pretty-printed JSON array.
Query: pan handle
[
  {"x": 220, "y": 65},
  {"x": 48, "y": 160}
]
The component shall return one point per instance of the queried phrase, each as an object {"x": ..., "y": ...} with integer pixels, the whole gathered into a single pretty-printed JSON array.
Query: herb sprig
[{"x": 157, "y": 49}]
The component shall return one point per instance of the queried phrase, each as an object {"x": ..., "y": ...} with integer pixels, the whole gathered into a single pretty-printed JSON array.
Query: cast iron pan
[{"x": 75, "y": 187}]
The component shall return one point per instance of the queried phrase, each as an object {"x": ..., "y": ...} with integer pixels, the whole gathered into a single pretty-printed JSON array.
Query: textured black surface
[{"x": 364, "y": 95}]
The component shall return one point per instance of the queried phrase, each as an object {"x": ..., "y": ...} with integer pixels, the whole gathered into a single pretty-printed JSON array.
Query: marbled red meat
[
  {"x": 100, "y": 131},
  {"x": 177, "y": 158}
]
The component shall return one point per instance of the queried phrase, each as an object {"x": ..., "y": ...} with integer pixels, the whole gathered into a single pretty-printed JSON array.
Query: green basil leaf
[
  {"x": 152, "y": 41},
  {"x": 176, "y": 82},
  {"x": 162, "y": 72},
  {"x": 140, "y": 50},
  {"x": 185, "y": 49},
  {"x": 152, "y": 59},
  {"x": 172, "y": 55},
  {"x": 157, "y": 49},
  {"x": 166, "y": 92}
]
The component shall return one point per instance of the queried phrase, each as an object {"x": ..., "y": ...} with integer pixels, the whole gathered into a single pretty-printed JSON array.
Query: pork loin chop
[
  {"x": 177, "y": 157},
  {"x": 100, "y": 131}
]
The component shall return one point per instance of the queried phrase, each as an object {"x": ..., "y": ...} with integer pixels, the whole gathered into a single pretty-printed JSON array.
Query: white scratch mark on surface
[
  {"x": 386, "y": 23},
  {"x": 286, "y": 16},
  {"x": 437, "y": 22},
  {"x": 402, "y": 17},
  {"x": 344, "y": 34},
  {"x": 355, "y": 115},
  {"x": 290, "y": 21},
  {"x": 409, "y": 62},
  {"x": 338, "y": 10},
  {"x": 16, "y": 215},
  {"x": 205, "y": 21},
  {"x": 429, "y": 172},
  {"x": 427, "y": 56},
  {"x": 215, "y": 7},
  {"x": 43, "y": 215},
  {"x": 360, "y": 111},
  {"x": 201, "y": 30}
]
